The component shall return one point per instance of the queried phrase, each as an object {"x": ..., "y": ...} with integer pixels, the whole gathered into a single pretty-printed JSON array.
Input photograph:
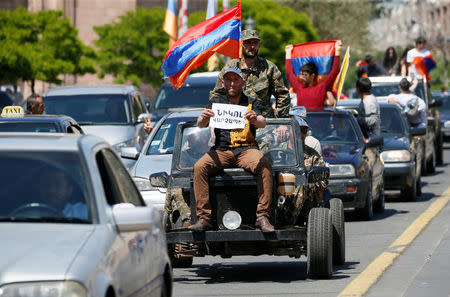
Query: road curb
[{"x": 362, "y": 283}]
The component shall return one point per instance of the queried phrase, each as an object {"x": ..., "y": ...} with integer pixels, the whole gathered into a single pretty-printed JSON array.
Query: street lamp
[{"x": 249, "y": 23}]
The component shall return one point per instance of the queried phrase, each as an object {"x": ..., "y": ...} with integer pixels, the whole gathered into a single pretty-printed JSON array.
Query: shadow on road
[
  {"x": 350, "y": 215},
  {"x": 276, "y": 272}
]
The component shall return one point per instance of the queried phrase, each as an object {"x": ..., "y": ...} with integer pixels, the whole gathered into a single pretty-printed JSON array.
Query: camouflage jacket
[
  {"x": 312, "y": 158},
  {"x": 262, "y": 80}
]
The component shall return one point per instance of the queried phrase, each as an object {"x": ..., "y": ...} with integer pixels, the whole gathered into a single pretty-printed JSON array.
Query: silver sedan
[
  {"x": 73, "y": 222},
  {"x": 156, "y": 155}
]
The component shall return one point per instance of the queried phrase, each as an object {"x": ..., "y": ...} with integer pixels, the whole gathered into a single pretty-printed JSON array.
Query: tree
[
  {"x": 40, "y": 46},
  {"x": 278, "y": 25},
  {"x": 133, "y": 48}
]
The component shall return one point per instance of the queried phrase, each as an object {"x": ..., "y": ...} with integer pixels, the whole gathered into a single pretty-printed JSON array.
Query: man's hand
[
  {"x": 337, "y": 48},
  {"x": 392, "y": 101},
  {"x": 203, "y": 119},
  {"x": 250, "y": 115},
  {"x": 148, "y": 127},
  {"x": 288, "y": 50}
]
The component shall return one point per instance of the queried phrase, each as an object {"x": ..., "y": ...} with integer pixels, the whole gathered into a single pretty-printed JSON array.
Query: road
[{"x": 418, "y": 269}]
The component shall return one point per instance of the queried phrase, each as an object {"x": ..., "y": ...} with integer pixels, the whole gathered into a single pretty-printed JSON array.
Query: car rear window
[
  {"x": 184, "y": 97},
  {"x": 28, "y": 127},
  {"x": 101, "y": 109},
  {"x": 43, "y": 186}
]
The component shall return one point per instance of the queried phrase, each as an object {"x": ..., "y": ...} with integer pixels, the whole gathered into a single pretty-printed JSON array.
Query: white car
[{"x": 73, "y": 222}]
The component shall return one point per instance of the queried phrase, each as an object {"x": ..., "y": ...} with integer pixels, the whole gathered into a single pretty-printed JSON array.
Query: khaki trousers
[{"x": 212, "y": 162}]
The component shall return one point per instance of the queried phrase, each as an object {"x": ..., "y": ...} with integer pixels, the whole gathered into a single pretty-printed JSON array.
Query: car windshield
[
  {"x": 162, "y": 142},
  {"x": 330, "y": 128},
  {"x": 184, "y": 97},
  {"x": 383, "y": 90},
  {"x": 198, "y": 141},
  {"x": 391, "y": 123},
  {"x": 102, "y": 109},
  {"x": 43, "y": 186},
  {"x": 27, "y": 127}
]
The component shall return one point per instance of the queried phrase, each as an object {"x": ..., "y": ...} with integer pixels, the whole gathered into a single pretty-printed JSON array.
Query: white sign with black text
[{"x": 228, "y": 116}]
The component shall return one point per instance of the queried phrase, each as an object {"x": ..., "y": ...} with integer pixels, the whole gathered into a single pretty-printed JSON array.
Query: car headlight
[
  {"x": 447, "y": 124},
  {"x": 343, "y": 170},
  {"x": 44, "y": 289},
  {"x": 396, "y": 156},
  {"x": 143, "y": 184},
  {"x": 129, "y": 142}
]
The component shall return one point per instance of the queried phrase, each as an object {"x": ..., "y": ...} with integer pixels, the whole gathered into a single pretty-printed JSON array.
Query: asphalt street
[{"x": 419, "y": 269}]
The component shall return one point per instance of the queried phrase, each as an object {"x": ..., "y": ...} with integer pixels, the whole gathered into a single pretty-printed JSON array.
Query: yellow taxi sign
[{"x": 12, "y": 111}]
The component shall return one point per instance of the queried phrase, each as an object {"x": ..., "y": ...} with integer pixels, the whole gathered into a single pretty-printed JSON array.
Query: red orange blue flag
[
  {"x": 170, "y": 21},
  {"x": 424, "y": 64},
  {"x": 321, "y": 53},
  {"x": 221, "y": 34}
]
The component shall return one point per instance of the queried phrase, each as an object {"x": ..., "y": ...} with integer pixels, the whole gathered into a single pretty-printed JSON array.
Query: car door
[{"x": 135, "y": 250}]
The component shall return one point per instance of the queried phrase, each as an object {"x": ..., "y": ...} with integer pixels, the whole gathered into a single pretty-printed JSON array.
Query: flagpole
[{"x": 341, "y": 76}]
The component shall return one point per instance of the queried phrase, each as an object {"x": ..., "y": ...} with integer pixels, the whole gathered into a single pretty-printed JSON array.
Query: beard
[{"x": 246, "y": 54}]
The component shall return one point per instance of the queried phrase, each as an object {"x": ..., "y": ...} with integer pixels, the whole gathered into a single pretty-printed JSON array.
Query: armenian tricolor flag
[
  {"x": 221, "y": 34},
  {"x": 424, "y": 64},
  {"x": 170, "y": 22},
  {"x": 321, "y": 53}
]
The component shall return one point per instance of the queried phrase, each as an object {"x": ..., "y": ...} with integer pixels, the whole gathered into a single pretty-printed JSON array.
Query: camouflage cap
[{"x": 250, "y": 34}]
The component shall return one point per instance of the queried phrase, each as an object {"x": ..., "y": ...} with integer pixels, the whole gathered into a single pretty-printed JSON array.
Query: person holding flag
[
  {"x": 310, "y": 72},
  {"x": 262, "y": 77},
  {"x": 421, "y": 60}
]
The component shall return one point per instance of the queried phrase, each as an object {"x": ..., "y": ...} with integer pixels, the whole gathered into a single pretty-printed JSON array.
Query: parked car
[
  {"x": 234, "y": 217},
  {"x": 402, "y": 152},
  {"x": 73, "y": 222},
  {"x": 114, "y": 112},
  {"x": 156, "y": 155},
  {"x": 194, "y": 93},
  {"x": 18, "y": 121},
  {"x": 356, "y": 170},
  {"x": 383, "y": 86}
]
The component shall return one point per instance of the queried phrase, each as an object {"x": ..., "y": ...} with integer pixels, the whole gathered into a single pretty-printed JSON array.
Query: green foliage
[
  {"x": 133, "y": 48},
  {"x": 40, "y": 46},
  {"x": 278, "y": 26}
]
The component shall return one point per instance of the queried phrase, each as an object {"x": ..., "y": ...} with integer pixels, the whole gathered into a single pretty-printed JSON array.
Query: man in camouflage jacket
[{"x": 262, "y": 77}]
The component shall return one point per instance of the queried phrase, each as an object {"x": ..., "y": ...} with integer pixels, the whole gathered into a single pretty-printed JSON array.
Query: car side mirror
[
  {"x": 129, "y": 152},
  {"x": 159, "y": 180},
  {"x": 375, "y": 141},
  {"x": 318, "y": 173},
  {"x": 418, "y": 131},
  {"x": 129, "y": 218},
  {"x": 435, "y": 103}
]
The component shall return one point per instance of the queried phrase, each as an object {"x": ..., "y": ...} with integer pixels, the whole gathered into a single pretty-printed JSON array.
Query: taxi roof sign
[{"x": 12, "y": 111}]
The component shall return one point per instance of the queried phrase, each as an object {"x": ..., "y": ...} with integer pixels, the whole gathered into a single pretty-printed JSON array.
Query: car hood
[
  {"x": 395, "y": 143},
  {"x": 113, "y": 134},
  {"x": 39, "y": 251},
  {"x": 148, "y": 164},
  {"x": 340, "y": 153}
]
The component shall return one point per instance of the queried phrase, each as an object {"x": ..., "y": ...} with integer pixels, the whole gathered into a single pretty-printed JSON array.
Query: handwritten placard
[{"x": 228, "y": 116}]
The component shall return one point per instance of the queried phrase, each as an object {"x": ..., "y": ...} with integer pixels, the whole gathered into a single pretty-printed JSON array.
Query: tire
[
  {"x": 366, "y": 213},
  {"x": 419, "y": 186},
  {"x": 380, "y": 202},
  {"x": 424, "y": 170},
  {"x": 410, "y": 193},
  {"x": 338, "y": 222},
  {"x": 440, "y": 150},
  {"x": 431, "y": 164},
  {"x": 319, "y": 244}
]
